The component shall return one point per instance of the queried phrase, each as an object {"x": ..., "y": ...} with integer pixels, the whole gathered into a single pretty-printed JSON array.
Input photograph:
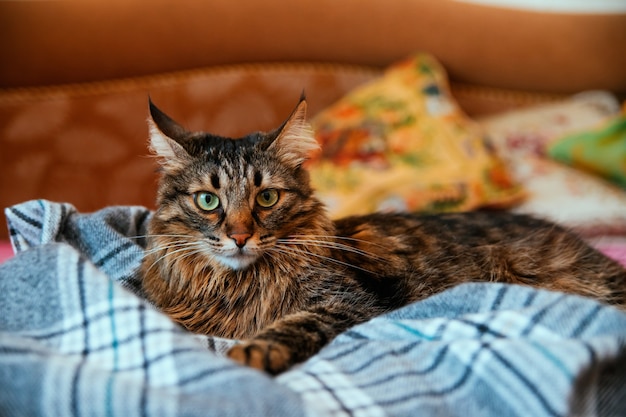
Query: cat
[{"x": 240, "y": 247}]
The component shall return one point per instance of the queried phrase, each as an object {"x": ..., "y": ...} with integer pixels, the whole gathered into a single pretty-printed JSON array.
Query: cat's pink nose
[{"x": 240, "y": 238}]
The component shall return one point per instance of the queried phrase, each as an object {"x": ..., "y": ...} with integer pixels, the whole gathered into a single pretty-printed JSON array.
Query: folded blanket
[{"x": 76, "y": 338}]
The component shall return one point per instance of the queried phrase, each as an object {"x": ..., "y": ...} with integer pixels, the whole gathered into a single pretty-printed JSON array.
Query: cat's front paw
[{"x": 270, "y": 357}]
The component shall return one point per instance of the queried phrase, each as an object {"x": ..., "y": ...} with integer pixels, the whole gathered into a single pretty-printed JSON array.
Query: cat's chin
[{"x": 236, "y": 262}]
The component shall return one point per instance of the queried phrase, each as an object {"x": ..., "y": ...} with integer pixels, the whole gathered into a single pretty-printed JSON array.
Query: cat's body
[{"x": 240, "y": 247}]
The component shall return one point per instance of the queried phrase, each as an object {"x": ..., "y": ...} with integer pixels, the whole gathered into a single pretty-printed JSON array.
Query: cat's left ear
[
  {"x": 294, "y": 141},
  {"x": 166, "y": 137}
]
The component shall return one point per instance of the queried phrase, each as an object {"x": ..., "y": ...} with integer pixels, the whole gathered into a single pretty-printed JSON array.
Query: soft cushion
[
  {"x": 400, "y": 142},
  {"x": 578, "y": 199}
]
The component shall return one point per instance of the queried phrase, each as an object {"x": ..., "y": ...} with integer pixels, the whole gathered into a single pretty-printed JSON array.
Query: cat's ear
[
  {"x": 165, "y": 135},
  {"x": 294, "y": 141}
]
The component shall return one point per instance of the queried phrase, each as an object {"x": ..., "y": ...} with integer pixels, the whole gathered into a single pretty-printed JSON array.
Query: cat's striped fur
[{"x": 240, "y": 247}]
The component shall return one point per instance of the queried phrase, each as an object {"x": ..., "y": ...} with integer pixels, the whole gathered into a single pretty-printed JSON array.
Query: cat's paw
[{"x": 270, "y": 357}]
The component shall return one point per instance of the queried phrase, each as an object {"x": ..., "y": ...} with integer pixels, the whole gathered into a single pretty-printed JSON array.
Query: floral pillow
[
  {"x": 401, "y": 143},
  {"x": 570, "y": 196}
]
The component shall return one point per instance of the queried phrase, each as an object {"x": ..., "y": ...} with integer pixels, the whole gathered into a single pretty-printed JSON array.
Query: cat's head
[{"x": 229, "y": 200}]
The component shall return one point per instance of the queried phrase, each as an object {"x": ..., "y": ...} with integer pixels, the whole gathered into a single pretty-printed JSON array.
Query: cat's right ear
[{"x": 165, "y": 135}]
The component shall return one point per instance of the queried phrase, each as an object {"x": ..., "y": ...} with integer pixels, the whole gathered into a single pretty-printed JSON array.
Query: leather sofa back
[{"x": 55, "y": 42}]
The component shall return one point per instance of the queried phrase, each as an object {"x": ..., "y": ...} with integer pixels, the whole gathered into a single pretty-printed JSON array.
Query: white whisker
[
  {"x": 351, "y": 239},
  {"x": 331, "y": 245},
  {"x": 293, "y": 251},
  {"x": 170, "y": 245},
  {"x": 182, "y": 247},
  {"x": 162, "y": 235}
]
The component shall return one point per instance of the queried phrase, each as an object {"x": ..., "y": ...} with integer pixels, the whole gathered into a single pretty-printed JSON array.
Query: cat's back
[
  {"x": 423, "y": 252},
  {"x": 450, "y": 240},
  {"x": 474, "y": 228}
]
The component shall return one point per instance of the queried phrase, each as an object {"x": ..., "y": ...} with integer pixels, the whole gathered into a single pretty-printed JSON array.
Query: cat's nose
[{"x": 240, "y": 238}]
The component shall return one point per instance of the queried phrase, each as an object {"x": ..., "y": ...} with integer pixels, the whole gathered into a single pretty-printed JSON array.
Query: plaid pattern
[{"x": 77, "y": 338}]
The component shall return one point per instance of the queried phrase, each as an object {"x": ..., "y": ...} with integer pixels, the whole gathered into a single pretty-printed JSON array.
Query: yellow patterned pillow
[{"x": 401, "y": 143}]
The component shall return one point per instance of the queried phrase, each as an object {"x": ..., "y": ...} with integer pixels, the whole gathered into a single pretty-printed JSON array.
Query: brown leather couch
[{"x": 75, "y": 75}]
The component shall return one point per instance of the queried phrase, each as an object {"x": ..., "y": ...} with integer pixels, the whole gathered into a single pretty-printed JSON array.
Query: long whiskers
[
  {"x": 329, "y": 244},
  {"x": 350, "y": 239},
  {"x": 186, "y": 246},
  {"x": 163, "y": 235},
  {"x": 170, "y": 245},
  {"x": 181, "y": 251},
  {"x": 305, "y": 255}
]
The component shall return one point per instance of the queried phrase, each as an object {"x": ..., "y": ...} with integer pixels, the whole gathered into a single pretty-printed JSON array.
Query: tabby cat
[{"x": 240, "y": 247}]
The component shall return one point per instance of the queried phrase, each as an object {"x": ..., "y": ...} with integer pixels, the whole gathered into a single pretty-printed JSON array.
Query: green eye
[
  {"x": 206, "y": 201},
  {"x": 267, "y": 198}
]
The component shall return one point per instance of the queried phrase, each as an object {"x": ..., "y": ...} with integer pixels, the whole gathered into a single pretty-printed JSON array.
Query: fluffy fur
[{"x": 240, "y": 247}]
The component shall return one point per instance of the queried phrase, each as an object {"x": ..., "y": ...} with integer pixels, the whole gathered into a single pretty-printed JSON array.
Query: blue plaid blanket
[{"x": 77, "y": 338}]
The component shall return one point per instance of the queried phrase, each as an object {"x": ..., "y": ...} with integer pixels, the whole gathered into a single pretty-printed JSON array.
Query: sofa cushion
[{"x": 401, "y": 143}]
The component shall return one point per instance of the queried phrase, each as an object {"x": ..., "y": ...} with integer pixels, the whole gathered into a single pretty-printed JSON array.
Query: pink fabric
[
  {"x": 616, "y": 251},
  {"x": 6, "y": 251}
]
